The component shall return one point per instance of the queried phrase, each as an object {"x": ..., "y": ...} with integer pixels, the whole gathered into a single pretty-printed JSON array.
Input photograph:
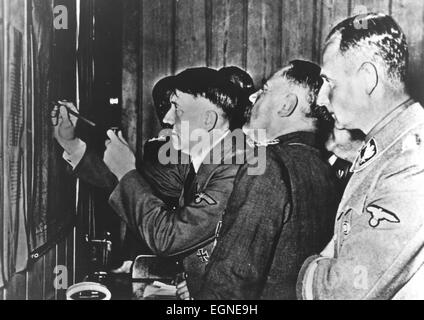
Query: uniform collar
[
  {"x": 198, "y": 159},
  {"x": 301, "y": 137},
  {"x": 386, "y": 132}
]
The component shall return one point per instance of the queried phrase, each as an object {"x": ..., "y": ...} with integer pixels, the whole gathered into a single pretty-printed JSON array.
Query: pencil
[{"x": 76, "y": 114}]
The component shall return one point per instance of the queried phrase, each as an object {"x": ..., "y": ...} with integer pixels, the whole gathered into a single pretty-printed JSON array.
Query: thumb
[
  {"x": 64, "y": 114},
  {"x": 112, "y": 136}
]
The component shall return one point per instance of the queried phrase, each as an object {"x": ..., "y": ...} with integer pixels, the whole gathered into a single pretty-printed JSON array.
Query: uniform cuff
[
  {"x": 305, "y": 280},
  {"x": 75, "y": 157}
]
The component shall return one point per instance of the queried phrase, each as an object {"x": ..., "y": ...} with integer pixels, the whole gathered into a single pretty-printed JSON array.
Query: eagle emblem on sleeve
[
  {"x": 203, "y": 196},
  {"x": 379, "y": 215}
]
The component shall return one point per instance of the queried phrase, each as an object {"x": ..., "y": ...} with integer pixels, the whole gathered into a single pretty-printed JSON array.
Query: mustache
[
  {"x": 321, "y": 113},
  {"x": 248, "y": 113}
]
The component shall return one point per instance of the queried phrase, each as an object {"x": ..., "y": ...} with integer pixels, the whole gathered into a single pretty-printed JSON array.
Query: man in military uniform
[
  {"x": 376, "y": 251},
  {"x": 203, "y": 99},
  {"x": 275, "y": 220}
]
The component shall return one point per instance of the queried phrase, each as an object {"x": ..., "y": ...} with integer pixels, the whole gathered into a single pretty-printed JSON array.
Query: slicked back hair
[
  {"x": 379, "y": 36},
  {"x": 308, "y": 75},
  {"x": 305, "y": 73}
]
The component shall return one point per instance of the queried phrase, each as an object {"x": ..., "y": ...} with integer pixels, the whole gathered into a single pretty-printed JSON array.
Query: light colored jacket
[{"x": 377, "y": 250}]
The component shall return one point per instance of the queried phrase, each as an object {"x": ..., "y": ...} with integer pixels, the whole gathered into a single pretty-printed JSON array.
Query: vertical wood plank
[
  {"x": 382, "y": 6},
  {"x": 297, "y": 33},
  {"x": 130, "y": 70},
  {"x": 264, "y": 32},
  {"x": 330, "y": 13},
  {"x": 228, "y": 33},
  {"x": 190, "y": 26},
  {"x": 157, "y": 57},
  {"x": 410, "y": 16}
]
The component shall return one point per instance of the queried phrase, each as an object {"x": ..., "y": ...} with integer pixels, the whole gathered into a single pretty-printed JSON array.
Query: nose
[
  {"x": 170, "y": 116},
  {"x": 323, "y": 96},
  {"x": 254, "y": 96}
]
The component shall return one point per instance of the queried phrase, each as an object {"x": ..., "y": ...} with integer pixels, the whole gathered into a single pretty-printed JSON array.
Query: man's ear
[
  {"x": 370, "y": 76},
  {"x": 211, "y": 118},
  {"x": 288, "y": 106}
]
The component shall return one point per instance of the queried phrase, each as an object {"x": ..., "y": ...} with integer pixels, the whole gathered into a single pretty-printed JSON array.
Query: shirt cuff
[{"x": 75, "y": 157}]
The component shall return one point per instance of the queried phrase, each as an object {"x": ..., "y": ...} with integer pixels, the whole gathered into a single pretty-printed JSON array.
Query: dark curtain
[
  {"x": 14, "y": 250},
  {"x": 53, "y": 194},
  {"x": 37, "y": 194}
]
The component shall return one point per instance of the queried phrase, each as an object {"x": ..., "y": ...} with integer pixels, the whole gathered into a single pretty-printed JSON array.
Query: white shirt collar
[{"x": 198, "y": 159}]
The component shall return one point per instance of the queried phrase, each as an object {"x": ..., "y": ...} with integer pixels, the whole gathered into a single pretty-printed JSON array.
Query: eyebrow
[{"x": 326, "y": 77}]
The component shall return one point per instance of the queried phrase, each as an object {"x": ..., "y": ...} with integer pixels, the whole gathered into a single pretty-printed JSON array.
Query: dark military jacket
[
  {"x": 272, "y": 223},
  {"x": 183, "y": 231}
]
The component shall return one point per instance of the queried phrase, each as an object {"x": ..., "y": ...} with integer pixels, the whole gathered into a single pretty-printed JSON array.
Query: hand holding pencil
[{"x": 64, "y": 117}]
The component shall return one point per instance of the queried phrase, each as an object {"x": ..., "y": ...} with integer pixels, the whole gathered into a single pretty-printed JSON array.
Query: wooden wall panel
[
  {"x": 383, "y": 6},
  {"x": 227, "y": 41},
  {"x": 157, "y": 52},
  {"x": 410, "y": 15},
  {"x": 190, "y": 37},
  {"x": 264, "y": 34},
  {"x": 130, "y": 70},
  {"x": 329, "y": 14},
  {"x": 298, "y": 30},
  {"x": 258, "y": 35}
]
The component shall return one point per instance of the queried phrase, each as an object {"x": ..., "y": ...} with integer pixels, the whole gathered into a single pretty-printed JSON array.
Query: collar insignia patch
[
  {"x": 379, "y": 214},
  {"x": 252, "y": 143},
  {"x": 368, "y": 152}
]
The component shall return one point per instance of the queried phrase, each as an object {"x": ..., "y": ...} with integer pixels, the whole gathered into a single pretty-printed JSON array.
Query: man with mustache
[
  {"x": 274, "y": 220},
  {"x": 376, "y": 251},
  {"x": 204, "y": 100}
]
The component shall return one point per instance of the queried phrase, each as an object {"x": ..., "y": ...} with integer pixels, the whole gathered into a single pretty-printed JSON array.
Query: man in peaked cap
[{"x": 204, "y": 100}]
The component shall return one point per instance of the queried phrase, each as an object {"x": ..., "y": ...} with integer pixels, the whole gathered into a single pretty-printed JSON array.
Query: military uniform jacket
[
  {"x": 376, "y": 252},
  {"x": 187, "y": 230}
]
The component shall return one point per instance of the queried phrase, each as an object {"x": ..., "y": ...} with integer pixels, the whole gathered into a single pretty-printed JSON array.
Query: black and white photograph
[{"x": 218, "y": 150}]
